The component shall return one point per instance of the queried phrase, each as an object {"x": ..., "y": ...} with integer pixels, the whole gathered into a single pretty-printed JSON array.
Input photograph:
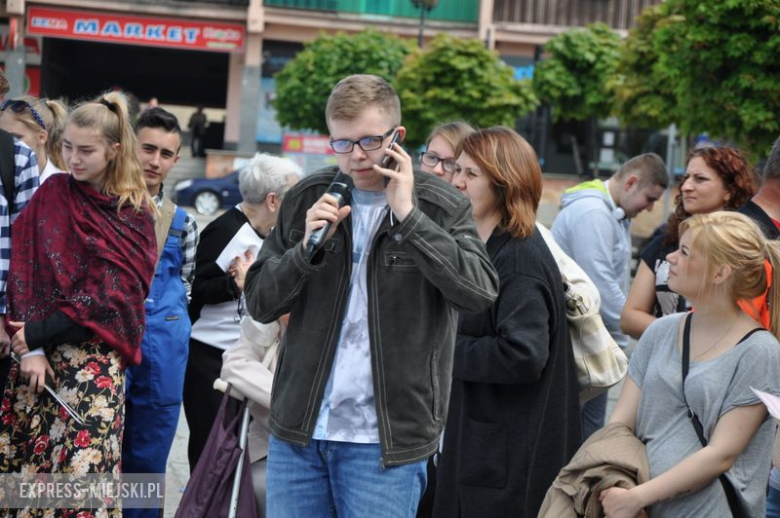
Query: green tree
[
  {"x": 304, "y": 84},
  {"x": 722, "y": 61},
  {"x": 643, "y": 91},
  {"x": 456, "y": 78},
  {"x": 574, "y": 76}
]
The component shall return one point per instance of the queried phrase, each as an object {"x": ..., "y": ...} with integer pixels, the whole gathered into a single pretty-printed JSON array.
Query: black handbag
[{"x": 731, "y": 494}]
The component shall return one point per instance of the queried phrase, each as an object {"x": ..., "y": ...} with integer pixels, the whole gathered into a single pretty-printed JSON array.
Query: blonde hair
[
  {"x": 354, "y": 94},
  {"x": 727, "y": 238},
  {"x": 452, "y": 133},
  {"x": 124, "y": 175},
  {"x": 513, "y": 168},
  {"x": 53, "y": 114}
]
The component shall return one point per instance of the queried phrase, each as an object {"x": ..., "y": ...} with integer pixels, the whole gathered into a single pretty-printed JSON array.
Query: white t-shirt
[{"x": 348, "y": 411}]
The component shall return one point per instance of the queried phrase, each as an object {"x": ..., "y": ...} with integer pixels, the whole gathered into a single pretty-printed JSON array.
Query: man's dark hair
[
  {"x": 772, "y": 166},
  {"x": 158, "y": 118}
]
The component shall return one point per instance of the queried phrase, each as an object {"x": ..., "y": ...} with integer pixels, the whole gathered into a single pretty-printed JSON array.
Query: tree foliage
[
  {"x": 642, "y": 88},
  {"x": 459, "y": 79},
  {"x": 574, "y": 77},
  {"x": 304, "y": 84},
  {"x": 722, "y": 62}
]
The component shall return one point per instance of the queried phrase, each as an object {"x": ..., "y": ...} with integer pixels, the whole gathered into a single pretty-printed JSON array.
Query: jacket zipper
[{"x": 373, "y": 328}]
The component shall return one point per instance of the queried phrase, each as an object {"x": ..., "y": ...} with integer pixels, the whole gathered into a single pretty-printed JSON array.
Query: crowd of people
[{"x": 419, "y": 361}]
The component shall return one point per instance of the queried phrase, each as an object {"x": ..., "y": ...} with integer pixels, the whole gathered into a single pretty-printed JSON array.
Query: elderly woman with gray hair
[{"x": 226, "y": 245}]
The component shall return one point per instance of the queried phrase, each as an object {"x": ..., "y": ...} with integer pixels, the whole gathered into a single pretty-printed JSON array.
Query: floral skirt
[{"x": 37, "y": 435}]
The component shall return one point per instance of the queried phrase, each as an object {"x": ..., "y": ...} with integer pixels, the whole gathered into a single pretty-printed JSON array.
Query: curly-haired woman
[{"x": 716, "y": 178}]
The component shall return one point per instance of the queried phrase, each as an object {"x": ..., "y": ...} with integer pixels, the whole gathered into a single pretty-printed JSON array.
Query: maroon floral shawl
[{"x": 71, "y": 251}]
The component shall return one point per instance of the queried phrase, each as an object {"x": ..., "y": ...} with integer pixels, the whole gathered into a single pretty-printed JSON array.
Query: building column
[
  {"x": 15, "y": 59},
  {"x": 485, "y": 27},
  {"x": 250, "y": 94},
  {"x": 250, "y": 78}
]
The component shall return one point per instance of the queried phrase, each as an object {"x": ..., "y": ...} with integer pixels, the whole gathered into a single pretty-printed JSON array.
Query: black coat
[{"x": 514, "y": 410}]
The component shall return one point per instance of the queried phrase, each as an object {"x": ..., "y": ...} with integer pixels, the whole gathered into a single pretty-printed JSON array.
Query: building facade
[{"x": 223, "y": 53}]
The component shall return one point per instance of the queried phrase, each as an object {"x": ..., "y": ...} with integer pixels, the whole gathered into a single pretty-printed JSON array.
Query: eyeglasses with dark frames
[
  {"x": 369, "y": 143},
  {"x": 18, "y": 106},
  {"x": 430, "y": 160}
]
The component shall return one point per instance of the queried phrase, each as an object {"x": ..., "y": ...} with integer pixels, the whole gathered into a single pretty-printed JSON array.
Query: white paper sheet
[
  {"x": 772, "y": 402},
  {"x": 245, "y": 239}
]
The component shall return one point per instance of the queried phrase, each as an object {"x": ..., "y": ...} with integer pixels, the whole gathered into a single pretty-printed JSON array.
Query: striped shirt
[{"x": 26, "y": 183}]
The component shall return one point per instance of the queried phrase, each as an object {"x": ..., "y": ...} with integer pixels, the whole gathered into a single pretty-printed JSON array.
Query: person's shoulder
[
  {"x": 580, "y": 211},
  {"x": 432, "y": 190},
  {"x": 763, "y": 340},
  {"x": 527, "y": 255},
  {"x": 22, "y": 149},
  {"x": 55, "y": 184},
  {"x": 665, "y": 325},
  {"x": 231, "y": 218},
  {"x": 316, "y": 179},
  {"x": 309, "y": 188}
]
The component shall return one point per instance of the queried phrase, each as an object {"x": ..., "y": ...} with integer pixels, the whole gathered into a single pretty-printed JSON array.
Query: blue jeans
[
  {"x": 329, "y": 478},
  {"x": 593, "y": 415},
  {"x": 773, "y": 503}
]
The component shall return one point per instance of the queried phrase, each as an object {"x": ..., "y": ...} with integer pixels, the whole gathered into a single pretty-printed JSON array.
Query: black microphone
[{"x": 340, "y": 189}]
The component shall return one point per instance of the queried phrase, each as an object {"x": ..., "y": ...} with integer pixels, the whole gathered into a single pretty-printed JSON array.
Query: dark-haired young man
[{"x": 154, "y": 388}]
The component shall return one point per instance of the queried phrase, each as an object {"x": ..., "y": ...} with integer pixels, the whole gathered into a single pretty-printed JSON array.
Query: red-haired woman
[
  {"x": 514, "y": 411},
  {"x": 716, "y": 178}
]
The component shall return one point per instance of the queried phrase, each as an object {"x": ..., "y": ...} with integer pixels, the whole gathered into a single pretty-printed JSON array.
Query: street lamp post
[{"x": 423, "y": 6}]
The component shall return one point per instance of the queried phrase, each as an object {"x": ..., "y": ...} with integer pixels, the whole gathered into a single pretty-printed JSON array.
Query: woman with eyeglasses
[
  {"x": 38, "y": 123},
  {"x": 439, "y": 155},
  {"x": 514, "y": 409}
]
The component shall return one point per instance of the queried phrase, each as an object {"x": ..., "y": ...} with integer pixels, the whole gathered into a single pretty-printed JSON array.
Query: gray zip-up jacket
[{"x": 421, "y": 272}]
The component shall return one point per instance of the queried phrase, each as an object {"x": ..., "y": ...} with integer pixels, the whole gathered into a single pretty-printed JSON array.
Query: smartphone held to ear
[{"x": 387, "y": 160}]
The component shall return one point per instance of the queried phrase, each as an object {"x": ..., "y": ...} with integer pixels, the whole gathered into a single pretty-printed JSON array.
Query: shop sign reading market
[{"x": 136, "y": 30}]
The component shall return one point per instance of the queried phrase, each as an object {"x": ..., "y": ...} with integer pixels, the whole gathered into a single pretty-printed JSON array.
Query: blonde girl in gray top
[{"x": 722, "y": 258}]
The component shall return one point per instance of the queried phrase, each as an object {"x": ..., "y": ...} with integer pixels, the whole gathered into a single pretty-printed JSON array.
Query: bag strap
[
  {"x": 163, "y": 224},
  {"x": 8, "y": 168},
  {"x": 731, "y": 494}
]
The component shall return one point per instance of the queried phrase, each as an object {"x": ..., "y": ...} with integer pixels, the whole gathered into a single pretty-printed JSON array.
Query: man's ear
[
  {"x": 630, "y": 182},
  {"x": 401, "y": 133},
  {"x": 272, "y": 202}
]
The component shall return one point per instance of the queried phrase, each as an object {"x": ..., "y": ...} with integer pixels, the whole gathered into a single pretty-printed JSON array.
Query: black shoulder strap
[
  {"x": 8, "y": 168},
  {"x": 731, "y": 495}
]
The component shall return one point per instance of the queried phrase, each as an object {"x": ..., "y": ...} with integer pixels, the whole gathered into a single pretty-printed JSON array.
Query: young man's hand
[
  {"x": 325, "y": 209},
  {"x": 399, "y": 190}
]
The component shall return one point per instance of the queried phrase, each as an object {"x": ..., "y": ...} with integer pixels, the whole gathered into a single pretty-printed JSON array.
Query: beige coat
[
  {"x": 612, "y": 456},
  {"x": 248, "y": 366}
]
